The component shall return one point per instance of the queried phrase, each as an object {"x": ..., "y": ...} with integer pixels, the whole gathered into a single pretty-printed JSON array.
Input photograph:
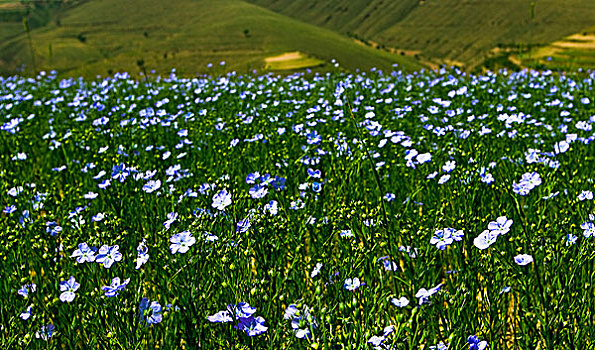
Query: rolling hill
[
  {"x": 105, "y": 36},
  {"x": 464, "y": 31}
]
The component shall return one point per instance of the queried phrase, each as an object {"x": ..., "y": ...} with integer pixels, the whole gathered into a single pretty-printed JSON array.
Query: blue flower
[
  {"x": 441, "y": 239},
  {"x": 115, "y": 287},
  {"x": 475, "y": 344},
  {"x": 181, "y": 242},
  {"x": 243, "y": 226},
  {"x": 252, "y": 178},
  {"x": 314, "y": 173},
  {"x": 256, "y": 192},
  {"x": 104, "y": 184},
  {"x": 171, "y": 217},
  {"x": 45, "y": 332},
  {"x": 241, "y": 310},
  {"x": 152, "y": 186},
  {"x": 68, "y": 288},
  {"x": 528, "y": 182},
  {"x": 26, "y": 289},
  {"x": 84, "y": 253},
  {"x": 501, "y": 226},
  {"x": 271, "y": 207},
  {"x": 52, "y": 228},
  {"x": 316, "y": 187},
  {"x": 252, "y": 325},
  {"x": 150, "y": 311},
  {"x": 401, "y": 302},
  {"x": 301, "y": 321},
  {"x": 439, "y": 346},
  {"x": 244, "y": 313},
  {"x": 443, "y": 179},
  {"x": 346, "y": 233},
  {"x": 377, "y": 341},
  {"x": 521, "y": 188},
  {"x": 585, "y": 195},
  {"x": 316, "y": 270},
  {"x": 423, "y": 158},
  {"x": 108, "y": 255},
  {"x": 120, "y": 172},
  {"x": 352, "y": 284},
  {"x": 487, "y": 178},
  {"x": 523, "y": 259},
  {"x": 221, "y": 200},
  {"x": 220, "y": 317},
  {"x": 485, "y": 239},
  {"x": 449, "y": 166},
  {"x": 279, "y": 183},
  {"x": 424, "y": 294},
  {"x": 98, "y": 217},
  {"x": 142, "y": 254},
  {"x": 589, "y": 229},
  {"x": 25, "y": 315}
]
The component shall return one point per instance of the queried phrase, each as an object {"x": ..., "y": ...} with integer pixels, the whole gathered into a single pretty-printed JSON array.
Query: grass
[
  {"x": 330, "y": 194},
  {"x": 463, "y": 31},
  {"x": 101, "y": 36},
  {"x": 571, "y": 52}
]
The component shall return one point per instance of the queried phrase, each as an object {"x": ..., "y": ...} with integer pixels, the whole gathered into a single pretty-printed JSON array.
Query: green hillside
[
  {"x": 103, "y": 36},
  {"x": 458, "y": 30},
  {"x": 569, "y": 53}
]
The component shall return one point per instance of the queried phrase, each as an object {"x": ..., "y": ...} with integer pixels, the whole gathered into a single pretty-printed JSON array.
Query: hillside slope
[
  {"x": 102, "y": 36},
  {"x": 462, "y": 30}
]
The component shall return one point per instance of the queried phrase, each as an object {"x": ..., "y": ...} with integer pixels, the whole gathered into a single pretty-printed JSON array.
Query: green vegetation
[
  {"x": 105, "y": 36},
  {"x": 569, "y": 53},
  {"x": 453, "y": 31},
  {"x": 350, "y": 211}
]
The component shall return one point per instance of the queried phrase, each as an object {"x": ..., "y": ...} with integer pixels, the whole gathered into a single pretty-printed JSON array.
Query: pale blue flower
[
  {"x": 252, "y": 326},
  {"x": 352, "y": 283},
  {"x": 171, "y": 217},
  {"x": 501, "y": 226},
  {"x": 68, "y": 288},
  {"x": 316, "y": 270},
  {"x": 401, "y": 302},
  {"x": 589, "y": 229},
  {"x": 181, "y": 242},
  {"x": 84, "y": 253},
  {"x": 45, "y": 332},
  {"x": 25, "y": 315},
  {"x": 220, "y": 317},
  {"x": 26, "y": 289},
  {"x": 485, "y": 239},
  {"x": 108, "y": 255},
  {"x": 115, "y": 287},
  {"x": 443, "y": 179},
  {"x": 152, "y": 186},
  {"x": 424, "y": 294},
  {"x": 475, "y": 344},
  {"x": 523, "y": 259},
  {"x": 142, "y": 254},
  {"x": 150, "y": 311},
  {"x": 221, "y": 200},
  {"x": 585, "y": 195},
  {"x": 346, "y": 233}
]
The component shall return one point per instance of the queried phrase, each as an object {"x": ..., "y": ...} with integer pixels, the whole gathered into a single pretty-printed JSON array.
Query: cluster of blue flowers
[
  {"x": 243, "y": 314},
  {"x": 176, "y": 175}
]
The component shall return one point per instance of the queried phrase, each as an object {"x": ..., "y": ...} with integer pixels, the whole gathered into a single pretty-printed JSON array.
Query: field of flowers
[{"x": 374, "y": 210}]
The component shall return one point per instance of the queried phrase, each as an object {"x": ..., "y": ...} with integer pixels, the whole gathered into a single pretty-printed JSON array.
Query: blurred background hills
[{"x": 101, "y": 37}]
